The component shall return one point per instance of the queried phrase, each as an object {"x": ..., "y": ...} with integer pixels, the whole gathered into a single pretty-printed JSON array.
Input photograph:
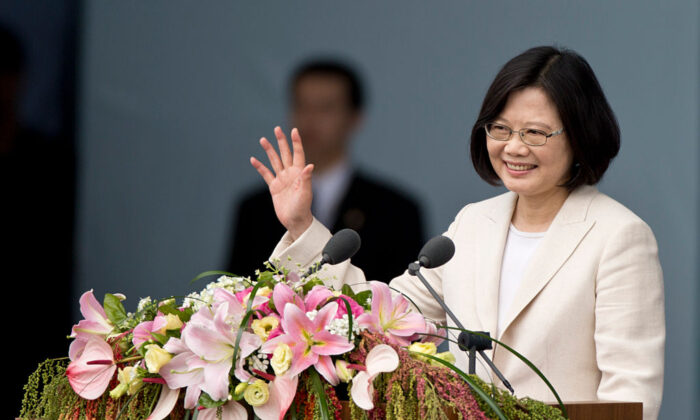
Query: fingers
[
  {"x": 275, "y": 161},
  {"x": 306, "y": 173},
  {"x": 262, "y": 170},
  {"x": 299, "y": 157},
  {"x": 284, "y": 147}
]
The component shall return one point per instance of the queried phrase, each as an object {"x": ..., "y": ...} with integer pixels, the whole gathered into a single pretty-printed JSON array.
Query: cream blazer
[{"x": 589, "y": 312}]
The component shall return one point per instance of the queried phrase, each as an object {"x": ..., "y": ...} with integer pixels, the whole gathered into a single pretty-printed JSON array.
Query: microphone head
[
  {"x": 343, "y": 245},
  {"x": 436, "y": 252}
]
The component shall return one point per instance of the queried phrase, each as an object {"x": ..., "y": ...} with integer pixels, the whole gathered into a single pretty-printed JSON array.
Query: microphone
[
  {"x": 342, "y": 246},
  {"x": 435, "y": 253}
]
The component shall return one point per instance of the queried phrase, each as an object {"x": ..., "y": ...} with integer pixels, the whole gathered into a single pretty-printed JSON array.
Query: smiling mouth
[{"x": 520, "y": 167}]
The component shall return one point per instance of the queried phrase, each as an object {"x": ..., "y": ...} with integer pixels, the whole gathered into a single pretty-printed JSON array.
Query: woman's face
[{"x": 531, "y": 171}]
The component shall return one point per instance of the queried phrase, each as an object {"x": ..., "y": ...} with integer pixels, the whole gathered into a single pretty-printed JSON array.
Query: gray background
[{"x": 174, "y": 96}]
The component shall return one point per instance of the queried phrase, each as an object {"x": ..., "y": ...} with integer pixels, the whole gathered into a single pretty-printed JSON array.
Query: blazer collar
[{"x": 568, "y": 228}]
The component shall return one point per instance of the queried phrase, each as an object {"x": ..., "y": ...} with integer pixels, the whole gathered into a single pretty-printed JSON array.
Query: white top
[
  {"x": 516, "y": 256},
  {"x": 329, "y": 189}
]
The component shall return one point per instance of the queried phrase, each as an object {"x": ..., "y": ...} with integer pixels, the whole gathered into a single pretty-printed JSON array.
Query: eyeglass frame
[{"x": 521, "y": 135}]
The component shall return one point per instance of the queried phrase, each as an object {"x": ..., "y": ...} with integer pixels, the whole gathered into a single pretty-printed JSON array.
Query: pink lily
[
  {"x": 380, "y": 359},
  {"x": 95, "y": 323},
  {"x": 142, "y": 332},
  {"x": 436, "y": 335},
  {"x": 166, "y": 403},
  {"x": 229, "y": 411},
  {"x": 310, "y": 342},
  {"x": 186, "y": 369},
  {"x": 282, "y": 295},
  {"x": 318, "y": 295},
  {"x": 282, "y": 391},
  {"x": 91, "y": 380},
  {"x": 257, "y": 300},
  {"x": 391, "y": 317},
  {"x": 214, "y": 343}
]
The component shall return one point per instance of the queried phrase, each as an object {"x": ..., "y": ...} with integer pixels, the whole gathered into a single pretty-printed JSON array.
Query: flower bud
[
  {"x": 173, "y": 322},
  {"x": 281, "y": 359},
  {"x": 257, "y": 393},
  {"x": 239, "y": 390},
  {"x": 341, "y": 369},
  {"x": 156, "y": 357},
  {"x": 129, "y": 382}
]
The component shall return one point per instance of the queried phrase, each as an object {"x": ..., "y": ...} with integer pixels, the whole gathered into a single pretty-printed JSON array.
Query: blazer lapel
[
  {"x": 492, "y": 232},
  {"x": 567, "y": 230}
]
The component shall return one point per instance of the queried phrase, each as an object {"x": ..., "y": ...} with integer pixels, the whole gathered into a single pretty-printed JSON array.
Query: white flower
[
  {"x": 341, "y": 326},
  {"x": 143, "y": 302}
]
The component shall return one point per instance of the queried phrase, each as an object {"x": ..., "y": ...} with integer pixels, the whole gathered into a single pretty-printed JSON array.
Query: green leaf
[
  {"x": 362, "y": 297},
  {"x": 160, "y": 338},
  {"x": 168, "y": 309},
  {"x": 206, "y": 401},
  {"x": 212, "y": 273},
  {"x": 320, "y": 394},
  {"x": 470, "y": 381},
  {"x": 310, "y": 285},
  {"x": 348, "y": 308},
  {"x": 347, "y": 291},
  {"x": 266, "y": 276},
  {"x": 246, "y": 318},
  {"x": 114, "y": 309}
]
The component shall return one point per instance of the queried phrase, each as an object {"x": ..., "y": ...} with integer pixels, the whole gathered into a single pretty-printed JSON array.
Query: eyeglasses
[{"x": 529, "y": 136}]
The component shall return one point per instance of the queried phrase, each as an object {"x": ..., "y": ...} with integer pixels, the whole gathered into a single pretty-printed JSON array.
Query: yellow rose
[
  {"x": 281, "y": 359},
  {"x": 262, "y": 327},
  {"x": 341, "y": 368},
  {"x": 424, "y": 348},
  {"x": 257, "y": 393},
  {"x": 156, "y": 357},
  {"x": 446, "y": 356}
]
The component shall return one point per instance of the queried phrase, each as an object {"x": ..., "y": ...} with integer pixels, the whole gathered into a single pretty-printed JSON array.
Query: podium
[
  {"x": 603, "y": 410},
  {"x": 583, "y": 410}
]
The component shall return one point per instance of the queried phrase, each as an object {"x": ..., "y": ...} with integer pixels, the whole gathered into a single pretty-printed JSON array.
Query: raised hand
[{"x": 290, "y": 185}]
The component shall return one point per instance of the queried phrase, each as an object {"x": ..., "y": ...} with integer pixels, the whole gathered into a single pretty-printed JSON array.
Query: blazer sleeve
[
  {"x": 300, "y": 254},
  {"x": 630, "y": 324}
]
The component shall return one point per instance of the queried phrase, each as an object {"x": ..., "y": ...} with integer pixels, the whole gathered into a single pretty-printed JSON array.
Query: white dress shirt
[
  {"x": 516, "y": 257},
  {"x": 329, "y": 189}
]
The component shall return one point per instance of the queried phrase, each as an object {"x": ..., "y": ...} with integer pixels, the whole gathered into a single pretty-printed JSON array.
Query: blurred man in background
[
  {"x": 327, "y": 103},
  {"x": 36, "y": 232}
]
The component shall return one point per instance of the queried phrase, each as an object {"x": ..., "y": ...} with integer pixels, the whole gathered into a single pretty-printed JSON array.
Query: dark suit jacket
[{"x": 388, "y": 222}]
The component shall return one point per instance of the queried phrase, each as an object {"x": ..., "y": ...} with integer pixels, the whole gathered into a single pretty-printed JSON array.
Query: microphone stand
[
  {"x": 470, "y": 343},
  {"x": 315, "y": 267}
]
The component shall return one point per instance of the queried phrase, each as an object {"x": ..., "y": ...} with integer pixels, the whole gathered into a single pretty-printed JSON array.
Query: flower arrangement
[{"x": 279, "y": 346}]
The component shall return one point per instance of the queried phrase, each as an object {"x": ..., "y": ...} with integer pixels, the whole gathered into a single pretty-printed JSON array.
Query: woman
[{"x": 559, "y": 271}]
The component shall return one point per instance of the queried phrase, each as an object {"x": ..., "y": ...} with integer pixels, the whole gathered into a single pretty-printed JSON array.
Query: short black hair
[
  {"x": 568, "y": 80},
  {"x": 332, "y": 67},
  {"x": 12, "y": 58}
]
